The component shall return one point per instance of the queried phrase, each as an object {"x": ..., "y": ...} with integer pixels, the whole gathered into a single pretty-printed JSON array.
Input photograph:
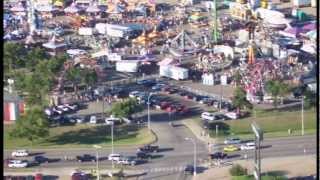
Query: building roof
[{"x": 10, "y": 97}]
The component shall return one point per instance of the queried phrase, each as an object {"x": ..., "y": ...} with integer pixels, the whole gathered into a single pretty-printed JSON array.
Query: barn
[{"x": 13, "y": 107}]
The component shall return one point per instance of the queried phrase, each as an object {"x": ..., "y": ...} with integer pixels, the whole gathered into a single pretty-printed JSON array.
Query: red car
[
  {"x": 182, "y": 109},
  {"x": 164, "y": 105},
  {"x": 171, "y": 109},
  {"x": 38, "y": 176}
]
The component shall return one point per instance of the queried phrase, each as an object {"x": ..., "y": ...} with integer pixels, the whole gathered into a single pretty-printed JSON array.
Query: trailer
[
  {"x": 177, "y": 73},
  {"x": 301, "y": 3},
  {"x": 127, "y": 66}
]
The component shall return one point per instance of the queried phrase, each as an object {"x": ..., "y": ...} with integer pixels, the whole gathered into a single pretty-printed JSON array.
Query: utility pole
[
  {"x": 215, "y": 16},
  {"x": 302, "y": 116}
]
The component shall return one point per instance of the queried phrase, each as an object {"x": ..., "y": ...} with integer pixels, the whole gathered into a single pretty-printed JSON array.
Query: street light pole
[
  {"x": 194, "y": 156},
  {"x": 149, "y": 126},
  {"x": 302, "y": 116},
  {"x": 112, "y": 143},
  {"x": 97, "y": 158}
]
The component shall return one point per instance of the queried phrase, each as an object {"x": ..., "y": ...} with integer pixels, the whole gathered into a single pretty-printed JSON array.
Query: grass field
[
  {"x": 273, "y": 123},
  {"x": 82, "y": 136}
]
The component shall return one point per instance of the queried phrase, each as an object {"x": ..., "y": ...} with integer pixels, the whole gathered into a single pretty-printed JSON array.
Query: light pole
[
  {"x": 195, "y": 155},
  {"x": 112, "y": 123},
  {"x": 302, "y": 116},
  {"x": 97, "y": 158},
  {"x": 149, "y": 126}
]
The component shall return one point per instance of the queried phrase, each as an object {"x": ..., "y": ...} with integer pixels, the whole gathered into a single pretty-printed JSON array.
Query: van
[{"x": 93, "y": 120}]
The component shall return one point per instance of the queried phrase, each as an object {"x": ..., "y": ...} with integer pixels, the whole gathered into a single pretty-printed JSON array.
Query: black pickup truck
[
  {"x": 149, "y": 149},
  {"x": 86, "y": 157}
]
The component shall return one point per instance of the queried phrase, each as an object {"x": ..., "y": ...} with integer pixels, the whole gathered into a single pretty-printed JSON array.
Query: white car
[
  {"x": 93, "y": 120},
  {"x": 248, "y": 146},
  {"x": 232, "y": 141},
  {"x": 232, "y": 115},
  {"x": 57, "y": 110},
  {"x": 208, "y": 116},
  {"x": 134, "y": 94},
  {"x": 72, "y": 107},
  {"x": 20, "y": 153},
  {"x": 127, "y": 161},
  {"x": 63, "y": 108},
  {"x": 112, "y": 120},
  {"x": 17, "y": 164},
  {"x": 114, "y": 157}
]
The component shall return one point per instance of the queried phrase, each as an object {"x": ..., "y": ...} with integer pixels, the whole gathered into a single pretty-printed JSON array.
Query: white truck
[
  {"x": 127, "y": 66},
  {"x": 117, "y": 30},
  {"x": 85, "y": 31},
  {"x": 177, "y": 73},
  {"x": 301, "y": 3}
]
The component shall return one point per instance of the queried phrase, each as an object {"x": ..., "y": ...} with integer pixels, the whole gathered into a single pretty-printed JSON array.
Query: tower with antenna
[{"x": 215, "y": 22}]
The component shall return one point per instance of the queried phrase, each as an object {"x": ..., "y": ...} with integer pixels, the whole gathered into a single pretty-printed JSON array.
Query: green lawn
[
  {"x": 273, "y": 123},
  {"x": 82, "y": 136}
]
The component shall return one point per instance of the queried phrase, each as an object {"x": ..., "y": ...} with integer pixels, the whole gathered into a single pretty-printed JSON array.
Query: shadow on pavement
[
  {"x": 156, "y": 156},
  {"x": 36, "y": 153},
  {"x": 266, "y": 146},
  {"x": 303, "y": 178},
  {"x": 233, "y": 156},
  {"x": 165, "y": 149},
  {"x": 276, "y": 173}
]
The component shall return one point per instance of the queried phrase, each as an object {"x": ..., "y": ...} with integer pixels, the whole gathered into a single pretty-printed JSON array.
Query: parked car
[
  {"x": 127, "y": 161},
  {"x": 232, "y": 141},
  {"x": 41, "y": 159},
  {"x": 79, "y": 176},
  {"x": 20, "y": 153},
  {"x": 63, "y": 108},
  {"x": 18, "y": 164},
  {"x": 112, "y": 120},
  {"x": 114, "y": 157},
  {"x": 230, "y": 148},
  {"x": 248, "y": 146},
  {"x": 134, "y": 94},
  {"x": 164, "y": 105},
  {"x": 93, "y": 120},
  {"x": 73, "y": 107},
  {"x": 208, "y": 116},
  {"x": 149, "y": 149},
  {"x": 56, "y": 110},
  {"x": 147, "y": 82},
  {"x": 189, "y": 169},
  {"x": 86, "y": 157},
  {"x": 143, "y": 155},
  {"x": 232, "y": 115},
  {"x": 218, "y": 155},
  {"x": 158, "y": 86}
]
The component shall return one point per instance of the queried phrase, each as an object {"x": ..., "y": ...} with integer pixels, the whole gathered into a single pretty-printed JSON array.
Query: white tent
[
  {"x": 45, "y": 8},
  {"x": 93, "y": 8},
  {"x": 52, "y": 44},
  {"x": 18, "y": 8},
  {"x": 72, "y": 9}
]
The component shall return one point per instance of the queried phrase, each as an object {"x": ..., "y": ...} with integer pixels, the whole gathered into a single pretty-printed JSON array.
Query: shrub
[{"x": 237, "y": 170}]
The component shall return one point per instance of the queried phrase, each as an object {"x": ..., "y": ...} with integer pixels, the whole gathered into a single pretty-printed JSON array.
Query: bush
[{"x": 237, "y": 170}]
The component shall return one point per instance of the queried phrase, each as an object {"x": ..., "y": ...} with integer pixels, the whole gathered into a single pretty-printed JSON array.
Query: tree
[
  {"x": 238, "y": 170},
  {"x": 237, "y": 78},
  {"x": 126, "y": 108},
  {"x": 33, "y": 126},
  {"x": 277, "y": 89},
  {"x": 309, "y": 99},
  {"x": 239, "y": 99},
  {"x": 12, "y": 57},
  {"x": 74, "y": 75},
  {"x": 55, "y": 63},
  {"x": 89, "y": 77},
  {"x": 33, "y": 57}
]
